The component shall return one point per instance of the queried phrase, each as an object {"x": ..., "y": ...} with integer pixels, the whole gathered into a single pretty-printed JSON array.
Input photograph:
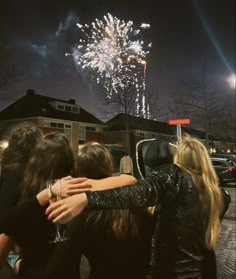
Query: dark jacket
[
  {"x": 10, "y": 186},
  {"x": 109, "y": 256},
  {"x": 178, "y": 245}
]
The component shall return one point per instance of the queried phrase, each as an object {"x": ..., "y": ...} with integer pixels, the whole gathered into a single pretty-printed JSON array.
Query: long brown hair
[
  {"x": 192, "y": 156},
  {"x": 94, "y": 161},
  {"x": 52, "y": 158},
  {"x": 22, "y": 140}
]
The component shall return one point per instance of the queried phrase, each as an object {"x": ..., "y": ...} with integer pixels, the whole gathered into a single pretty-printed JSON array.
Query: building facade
[{"x": 53, "y": 115}]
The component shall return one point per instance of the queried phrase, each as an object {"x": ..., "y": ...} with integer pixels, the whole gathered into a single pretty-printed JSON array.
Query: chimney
[{"x": 30, "y": 92}]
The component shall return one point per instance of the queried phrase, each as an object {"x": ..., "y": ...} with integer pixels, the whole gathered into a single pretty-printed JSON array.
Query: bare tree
[
  {"x": 123, "y": 101},
  {"x": 199, "y": 102},
  {"x": 225, "y": 124},
  {"x": 126, "y": 102},
  {"x": 154, "y": 110}
]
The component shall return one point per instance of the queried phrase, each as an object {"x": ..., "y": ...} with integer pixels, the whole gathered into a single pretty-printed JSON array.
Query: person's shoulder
[
  {"x": 165, "y": 169},
  {"x": 172, "y": 173},
  {"x": 180, "y": 171},
  {"x": 166, "y": 173}
]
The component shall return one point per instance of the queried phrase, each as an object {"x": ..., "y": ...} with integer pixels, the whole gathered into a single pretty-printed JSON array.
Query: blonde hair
[{"x": 192, "y": 156}]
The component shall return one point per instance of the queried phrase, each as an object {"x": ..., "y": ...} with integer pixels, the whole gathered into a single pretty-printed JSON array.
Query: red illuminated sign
[{"x": 179, "y": 121}]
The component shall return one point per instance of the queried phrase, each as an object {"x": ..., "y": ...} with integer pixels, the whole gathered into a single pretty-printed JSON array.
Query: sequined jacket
[{"x": 177, "y": 248}]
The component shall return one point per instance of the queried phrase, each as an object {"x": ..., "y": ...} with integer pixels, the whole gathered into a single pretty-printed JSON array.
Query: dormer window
[
  {"x": 67, "y": 108},
  {"x": 75, "y": 109}
]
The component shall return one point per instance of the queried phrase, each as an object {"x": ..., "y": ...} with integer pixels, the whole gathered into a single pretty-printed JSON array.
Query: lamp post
[{"x": 231, "y": 81}]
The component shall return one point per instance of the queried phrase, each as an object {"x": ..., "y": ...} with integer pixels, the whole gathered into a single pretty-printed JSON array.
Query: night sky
[{"x": 184, "y": 33}]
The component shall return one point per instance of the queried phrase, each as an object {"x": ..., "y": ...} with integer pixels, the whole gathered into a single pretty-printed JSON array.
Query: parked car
[
  {"x": 225, "y": 155},
  {"x": 225, "y": 169}
]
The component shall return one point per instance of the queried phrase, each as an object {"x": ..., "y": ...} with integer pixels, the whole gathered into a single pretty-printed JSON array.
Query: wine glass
[{"x": 60, "y": 229}]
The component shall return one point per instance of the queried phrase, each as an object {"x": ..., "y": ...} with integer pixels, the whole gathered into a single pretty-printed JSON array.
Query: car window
[{"x": 217, "y": 163}]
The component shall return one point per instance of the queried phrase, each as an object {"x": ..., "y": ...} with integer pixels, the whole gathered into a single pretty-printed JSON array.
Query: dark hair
[
  {"x": 94, "y": 161},
  {"x": 53, "y": 158},
  {"x": 21, "y": 143}
]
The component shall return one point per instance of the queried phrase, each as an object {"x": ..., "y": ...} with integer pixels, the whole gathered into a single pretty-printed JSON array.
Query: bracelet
[
  {"x": 51, "y": 194},
  {"x": 59, "y": 189}
]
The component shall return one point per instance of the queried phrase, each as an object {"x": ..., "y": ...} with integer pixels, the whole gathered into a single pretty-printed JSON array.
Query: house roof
[
  {"x": 137, "y": 123},
  {"x": 33, "y": 105}
]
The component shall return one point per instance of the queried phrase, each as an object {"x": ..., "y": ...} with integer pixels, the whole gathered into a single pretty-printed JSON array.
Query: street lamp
[{"x": 231, "y": 81}]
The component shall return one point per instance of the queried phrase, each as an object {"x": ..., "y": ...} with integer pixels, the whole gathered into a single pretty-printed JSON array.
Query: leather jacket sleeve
[{"x": 144, "y": 193}]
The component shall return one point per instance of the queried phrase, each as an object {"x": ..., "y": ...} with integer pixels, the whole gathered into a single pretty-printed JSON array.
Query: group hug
[{"x": 162, "y": 224}]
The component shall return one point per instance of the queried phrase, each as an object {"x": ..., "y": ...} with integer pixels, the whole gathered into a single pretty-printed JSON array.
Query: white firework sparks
[{"x": 111, "y": 51}]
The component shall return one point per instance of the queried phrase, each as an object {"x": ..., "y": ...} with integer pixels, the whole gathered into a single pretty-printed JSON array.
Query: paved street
[
  {"x": 226, "y": 251},
  {"x": 226, "y": 246}
]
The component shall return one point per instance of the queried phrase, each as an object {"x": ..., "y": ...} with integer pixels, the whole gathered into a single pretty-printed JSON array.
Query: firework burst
[{"x": 112, "y": 51}]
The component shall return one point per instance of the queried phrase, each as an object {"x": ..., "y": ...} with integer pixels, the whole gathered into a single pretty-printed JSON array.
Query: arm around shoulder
[{"x": 112, "y": 182}]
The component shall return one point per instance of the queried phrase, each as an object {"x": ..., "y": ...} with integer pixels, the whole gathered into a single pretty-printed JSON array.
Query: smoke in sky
[{"x": 47, "y": 58}]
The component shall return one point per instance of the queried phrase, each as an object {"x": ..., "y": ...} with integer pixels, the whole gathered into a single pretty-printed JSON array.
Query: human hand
[
  {"x": 71, "y": 186},
  {"x": 63, "y": 211}
]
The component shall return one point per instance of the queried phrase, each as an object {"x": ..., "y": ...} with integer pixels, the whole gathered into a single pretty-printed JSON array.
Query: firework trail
[{"x": 113, "y": 53}]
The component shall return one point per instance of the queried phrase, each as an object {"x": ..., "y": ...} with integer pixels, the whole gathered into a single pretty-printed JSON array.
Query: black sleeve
[
  {"x": 21, "y": 218},
  {"x": 154, "y": 190},
  {"x": 10, "y": 189},
  {"x": 142, "y": 194}
]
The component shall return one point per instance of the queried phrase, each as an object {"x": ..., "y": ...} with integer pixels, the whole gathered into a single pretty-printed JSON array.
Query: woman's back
[
  {"x": 110, "y": 255},
  {"x": 116, "y": 242},
  {"x": 181, "y": 229}
]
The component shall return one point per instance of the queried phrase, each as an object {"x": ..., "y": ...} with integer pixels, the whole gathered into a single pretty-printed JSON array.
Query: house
[
  {"x": 51, "y": 114},
  {"x": 80, "y": 126},
  {"x": 141, "y": 128},
  {"x": 122, "y": 133}
]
